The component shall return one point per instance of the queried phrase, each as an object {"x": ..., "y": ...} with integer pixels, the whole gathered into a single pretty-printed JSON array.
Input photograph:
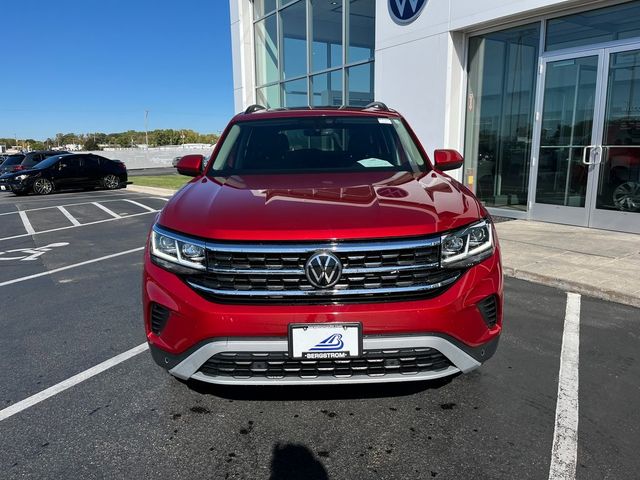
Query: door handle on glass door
[{"x": 584, "y": 154}]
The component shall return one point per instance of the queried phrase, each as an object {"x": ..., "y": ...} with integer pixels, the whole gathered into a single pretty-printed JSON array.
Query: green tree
[{"x": 91, "y": 144}]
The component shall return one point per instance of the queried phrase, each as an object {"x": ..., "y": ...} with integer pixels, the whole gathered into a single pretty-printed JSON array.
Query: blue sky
[{"x": 97, "y": 65}]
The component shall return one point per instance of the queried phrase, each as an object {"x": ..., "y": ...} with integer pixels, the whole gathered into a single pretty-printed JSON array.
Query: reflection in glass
[
  {"x": 266, "y": 33},
  {"x": 567, "y": 121},
  {"x": 294, "y": 40},
  {"x": 295, "y": 93},
  {"x": 500, "y": 114},
  {"x": 269, "y": 96},
  {"x": 362, "y": 27},
  {"x": 262, "y": 7},
  {"x": 619, "y": 179},
  {"x": 327, "y": 89},
  {"x": 327, "y": 35},
  {"x": 360, "y": 85},
  {"x": 303, "y": 39},
  {"x": 594, "y": 26}
]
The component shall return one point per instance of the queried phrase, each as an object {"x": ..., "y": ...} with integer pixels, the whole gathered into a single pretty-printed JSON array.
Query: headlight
[
  {"x": 468, "y": 246},
  {"x": 22, "y": 177},
  {"x": 178, "y": 250}
]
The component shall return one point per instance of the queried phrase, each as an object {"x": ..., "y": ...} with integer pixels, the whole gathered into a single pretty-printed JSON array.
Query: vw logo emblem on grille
[{"x": 323, "y": 270}]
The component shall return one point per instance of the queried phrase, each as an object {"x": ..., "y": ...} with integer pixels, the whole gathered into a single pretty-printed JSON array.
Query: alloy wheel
[
  {"x": 42, "y": 186},
  {"x": 626, "y": 197},
  {"x": 111, "y": 182}
]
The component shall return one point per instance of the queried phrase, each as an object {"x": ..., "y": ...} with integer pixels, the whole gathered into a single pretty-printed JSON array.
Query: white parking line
[
  {"x": 146, "y": 207},
  {"x": 27, "y": 224},
  {"x": 70, "y": 217},
  {"x": 81, "y": 203},
  {"x": 73, "y": 226},
  {"x": 70, "y": 382},
  {"x": 68, "y": 267},
  {"x": 565, "y": 436},
  {"x": 105, "y": 209}
]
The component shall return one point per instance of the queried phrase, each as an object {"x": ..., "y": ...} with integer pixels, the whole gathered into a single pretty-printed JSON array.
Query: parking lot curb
[
  {"x": 151, "y": 190},
  {"x": 576, "y": 287}
]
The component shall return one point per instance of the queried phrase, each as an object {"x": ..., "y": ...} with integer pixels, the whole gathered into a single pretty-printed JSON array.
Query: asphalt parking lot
[{"x": 70, "y": 269}]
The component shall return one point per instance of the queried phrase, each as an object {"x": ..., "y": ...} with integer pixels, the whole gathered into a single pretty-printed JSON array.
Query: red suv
[{"x": 322, "y": 246}]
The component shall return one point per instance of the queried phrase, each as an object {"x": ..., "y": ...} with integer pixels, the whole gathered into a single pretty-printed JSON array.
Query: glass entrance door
[
  {"x": 586, "y": 161},
  {"x": 617, "y": 186},
  {"x": 566, "y": 143}
]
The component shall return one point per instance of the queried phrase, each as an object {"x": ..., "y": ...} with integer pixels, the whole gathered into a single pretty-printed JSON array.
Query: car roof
[{"x": 258, "y": 112}]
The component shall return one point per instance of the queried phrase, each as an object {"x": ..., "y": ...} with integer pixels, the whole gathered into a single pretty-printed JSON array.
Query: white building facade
[{"x": 541, "y": 96}]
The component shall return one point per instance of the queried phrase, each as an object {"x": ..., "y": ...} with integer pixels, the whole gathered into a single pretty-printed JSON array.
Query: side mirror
[
  {"x": 190, "y": 165},
  {"x": 447, "y": 160}
]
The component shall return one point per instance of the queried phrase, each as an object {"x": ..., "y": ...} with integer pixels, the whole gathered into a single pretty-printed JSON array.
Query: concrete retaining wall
[{"x": 136, "y": 158}]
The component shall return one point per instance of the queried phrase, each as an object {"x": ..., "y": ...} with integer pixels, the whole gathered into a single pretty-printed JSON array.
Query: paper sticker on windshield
[
  {"x": 384, "y": 120},
  {"x": 375, "y": 162}
]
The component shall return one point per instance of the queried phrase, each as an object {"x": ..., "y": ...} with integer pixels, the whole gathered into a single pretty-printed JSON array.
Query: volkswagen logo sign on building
[
  {"x": 405, "y": 11},
  {"x": 323, "y": 269}
]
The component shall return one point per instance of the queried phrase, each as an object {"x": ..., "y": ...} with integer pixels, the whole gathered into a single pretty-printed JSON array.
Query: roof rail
[
  {"x": 254, "y": 108},
  {"x": 376, "y": 106}
]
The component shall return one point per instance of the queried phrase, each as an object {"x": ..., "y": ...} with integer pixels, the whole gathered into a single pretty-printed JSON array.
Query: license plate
[
  {"x": 2, "y": 187},
  {"x": 325, "y": 341}
]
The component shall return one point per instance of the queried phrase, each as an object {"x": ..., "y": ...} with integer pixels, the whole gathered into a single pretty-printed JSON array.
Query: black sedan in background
[{"x": 65, "y": 172}]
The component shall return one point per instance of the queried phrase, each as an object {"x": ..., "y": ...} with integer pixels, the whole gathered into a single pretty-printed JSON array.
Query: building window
[
  {"x": 314, "y": 52},
  {"x": 501, "y": 88},
  {"x": 594, "y": 26}
]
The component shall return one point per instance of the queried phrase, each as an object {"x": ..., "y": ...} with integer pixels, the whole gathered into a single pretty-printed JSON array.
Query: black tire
[
  {"x": 42, "y": 186},
  {"x": 110, "y": 182}
]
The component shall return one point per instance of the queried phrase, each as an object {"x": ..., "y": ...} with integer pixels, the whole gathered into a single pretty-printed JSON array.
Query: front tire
[
  {"x": 111, "y": 182},
  {"x": 42, "y": 186}
]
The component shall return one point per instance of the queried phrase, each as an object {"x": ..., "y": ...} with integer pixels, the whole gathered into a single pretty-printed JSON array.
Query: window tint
[
  {"x": 13, "y": 160},
  {"x": 305, "y": 145},
  {"x": 31, "y": 159},
  {"x": 90, "y": 161}
]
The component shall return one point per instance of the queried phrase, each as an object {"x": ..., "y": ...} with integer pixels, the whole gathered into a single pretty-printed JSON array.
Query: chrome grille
[{"x": 384, "y": 269}]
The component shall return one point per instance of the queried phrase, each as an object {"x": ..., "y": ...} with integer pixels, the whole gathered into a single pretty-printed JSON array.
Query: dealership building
[{"x": 541, "y": 96}]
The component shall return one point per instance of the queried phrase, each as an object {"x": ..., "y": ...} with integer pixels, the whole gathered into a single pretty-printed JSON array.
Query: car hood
[{"x": 320, "y": 206}]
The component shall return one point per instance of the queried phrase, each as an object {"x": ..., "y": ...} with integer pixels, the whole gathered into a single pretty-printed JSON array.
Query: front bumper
[
  {"x": 15, "y": 186},
  {"x": 450, "y": 358},
  {"x": 197, "y": 329}
]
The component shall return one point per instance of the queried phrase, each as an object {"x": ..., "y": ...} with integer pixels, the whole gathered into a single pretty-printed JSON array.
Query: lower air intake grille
[
  {"x": 489, "y": 310},
  {"x": 278, "y": 365},
  {"x": 159, "y": 317}
]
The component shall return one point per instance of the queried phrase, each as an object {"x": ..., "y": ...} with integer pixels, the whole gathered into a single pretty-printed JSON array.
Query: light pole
[{"x": 146, "y": 129}]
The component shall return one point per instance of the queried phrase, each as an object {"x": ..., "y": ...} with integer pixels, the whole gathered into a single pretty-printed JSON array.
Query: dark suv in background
[{"x": 25, "y": 161}]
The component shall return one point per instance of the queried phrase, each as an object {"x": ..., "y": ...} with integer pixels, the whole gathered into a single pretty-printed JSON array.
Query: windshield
[
  {"x": 13, "y": 160},
  {"x": 47, "y": 162},
  {"x": 320, "y": 144}
]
